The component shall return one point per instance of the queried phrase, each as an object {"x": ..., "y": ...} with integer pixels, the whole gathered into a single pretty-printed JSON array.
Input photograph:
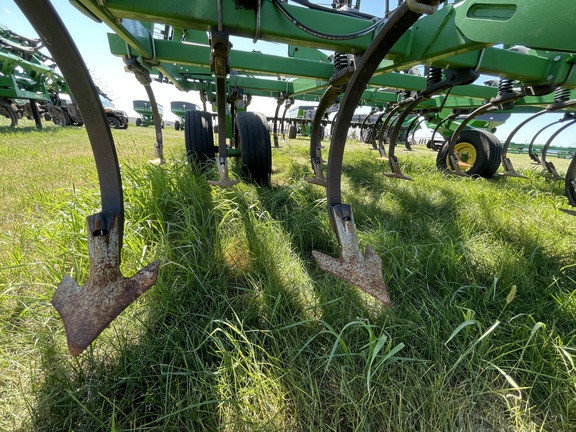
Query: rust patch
[{"x": 86, "y": 311}]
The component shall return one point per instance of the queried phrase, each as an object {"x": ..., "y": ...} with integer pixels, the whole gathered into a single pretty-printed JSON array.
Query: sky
[{"x": 108, "y": 71}]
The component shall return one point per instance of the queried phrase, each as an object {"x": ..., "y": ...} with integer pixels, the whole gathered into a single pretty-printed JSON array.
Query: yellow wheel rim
[{"x": 466, "y": 154}]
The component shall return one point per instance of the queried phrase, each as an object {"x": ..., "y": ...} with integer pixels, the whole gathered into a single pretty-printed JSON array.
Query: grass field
[{"x": 243, "y": 332}]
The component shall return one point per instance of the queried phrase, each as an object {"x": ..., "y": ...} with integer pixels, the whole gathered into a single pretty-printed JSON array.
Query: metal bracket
[
  {"x": 319, "y": 178},
  {"x": 364, "y": 271},
  {"x": 509, "y": 170},
  {"x": 220, "y": 51},
  {"x": 396, "y": 171},
  {"x": 224, "y": 180},
  {"x": 86, "y": 311},
  {"x": 552, "y": 170}
]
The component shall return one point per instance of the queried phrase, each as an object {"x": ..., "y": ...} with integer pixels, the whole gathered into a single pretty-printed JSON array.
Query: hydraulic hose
[{"x": 322, "y": 35}]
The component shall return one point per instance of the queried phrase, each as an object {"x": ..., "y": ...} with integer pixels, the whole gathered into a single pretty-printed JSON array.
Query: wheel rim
[{"x": 466, "y": 154}]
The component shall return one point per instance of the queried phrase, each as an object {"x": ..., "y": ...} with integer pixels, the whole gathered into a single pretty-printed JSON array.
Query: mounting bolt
[
  {"x": 550, "y": 77},
  {"x": 557, "y": 58}
]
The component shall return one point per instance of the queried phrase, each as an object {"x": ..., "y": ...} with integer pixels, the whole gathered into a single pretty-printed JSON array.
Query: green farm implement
[
  {"x": 144, "y": 109},
  {"x": 417, "y": 63},
  {"x": 179, "y": 109},
  {"x": 29, "y": 86}
]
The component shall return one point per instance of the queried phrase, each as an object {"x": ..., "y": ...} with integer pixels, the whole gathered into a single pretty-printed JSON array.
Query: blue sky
[{"x": 108, "y": 71}]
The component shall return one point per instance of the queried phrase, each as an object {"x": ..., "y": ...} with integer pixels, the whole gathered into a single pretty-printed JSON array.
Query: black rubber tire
[
  {"x": 253, "y": 138},
  {"x": 199, "y": 137},
  {"x": 177, "y": 125},
  {"x": 7, "y": 111},
  {"x": 292, "y": 131},
  {"x": 138, "y": 122},
  {"x": 114, "y": 123},
  {"x": 570, "y": 182},
  {"x": 486, "y": 159},
  {"x": 366, "y": 135},
  {"x": 125, "y": 126},
  {"x": 59, "y": 116}
]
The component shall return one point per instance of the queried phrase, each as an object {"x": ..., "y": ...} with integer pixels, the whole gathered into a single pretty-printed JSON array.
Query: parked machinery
[
  {"x": 144, "y": 109},
  {"x": 29, "y": 86},
  {"x": 179, "y": 109},
  {"x": 374, "y": 56}
]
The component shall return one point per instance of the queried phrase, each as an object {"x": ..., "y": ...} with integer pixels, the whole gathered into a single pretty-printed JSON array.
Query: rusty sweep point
[
  {"x": 224, "y": 181},
  {"x": 87, "y": 310},
  {"x": 364, "y": 271},
  {"x": 365, "y": 274}
]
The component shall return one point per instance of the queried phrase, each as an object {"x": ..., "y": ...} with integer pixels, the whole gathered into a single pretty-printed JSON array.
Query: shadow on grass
[{"x": 243, "y": 332}]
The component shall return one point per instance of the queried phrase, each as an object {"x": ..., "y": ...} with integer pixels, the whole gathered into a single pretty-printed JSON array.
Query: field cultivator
[
  {"x": 419, "y": 63},
  {"x": 31, "y": 88}
]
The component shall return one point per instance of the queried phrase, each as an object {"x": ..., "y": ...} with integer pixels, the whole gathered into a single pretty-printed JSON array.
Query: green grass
[{"x": 243, "y": 332}]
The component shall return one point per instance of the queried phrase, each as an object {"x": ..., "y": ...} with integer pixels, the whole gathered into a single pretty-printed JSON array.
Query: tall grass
[{"x": 243, "y": 332}]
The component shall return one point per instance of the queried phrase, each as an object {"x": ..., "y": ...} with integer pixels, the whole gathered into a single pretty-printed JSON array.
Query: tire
[
  {"x": 367, "y": 134},
  {"x": 59, "y": 117},
  {"x": 476, "y": 147},
  {"x": 113, "y": 122},
  {"x": 254, "y": 142},
  {"x": 7, "y": 111},
  {"x": 138, "y": 122},
  {"x": 292, "y": 130},
  {"x": 74, "y": 113},
  {"x": 199, "y": 137},
  {"x": 177, "y": 125}
]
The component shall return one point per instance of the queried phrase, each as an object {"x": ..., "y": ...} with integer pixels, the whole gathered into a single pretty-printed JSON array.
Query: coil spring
[
  {"x": 433, "y": 76},
  {"x": 561, "y": 95},
  {"x": 340, "y": 61},
  {"x": 505, "y": 86}
]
